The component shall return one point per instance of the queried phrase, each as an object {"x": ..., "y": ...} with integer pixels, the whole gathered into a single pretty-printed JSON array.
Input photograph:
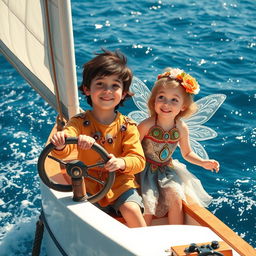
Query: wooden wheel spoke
[
  {"x": 101, "y": 164},
  {"x": 57, "y": 160},
  {"x": 95, "y": 179}
]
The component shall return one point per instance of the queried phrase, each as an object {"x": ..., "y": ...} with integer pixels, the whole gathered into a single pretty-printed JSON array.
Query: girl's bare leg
[
  {"x": 148, "y": 219},
  {"x": 175, "y": 214},
  {"x": 132, "y": 214}
]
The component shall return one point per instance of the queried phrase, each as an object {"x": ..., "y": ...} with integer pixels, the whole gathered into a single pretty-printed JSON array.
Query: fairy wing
[
  {"x": 140, "y": 99},
  {"x": 207, "y": 106}
]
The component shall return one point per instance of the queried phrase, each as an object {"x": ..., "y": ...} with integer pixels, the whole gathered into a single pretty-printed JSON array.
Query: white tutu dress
[{"x": 164, "y": 176}]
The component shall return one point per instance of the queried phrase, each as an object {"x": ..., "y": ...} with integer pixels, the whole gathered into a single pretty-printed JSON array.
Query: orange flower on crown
[{"x": 187, "y": 81}]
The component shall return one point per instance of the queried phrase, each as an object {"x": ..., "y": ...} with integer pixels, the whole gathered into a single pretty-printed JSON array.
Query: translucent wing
[
  {"x": 207, "y": 106},
  {"x": 140, "y": 99},
  {"x": 138, "y": 116},
  {"x": 198, "y": 149}
]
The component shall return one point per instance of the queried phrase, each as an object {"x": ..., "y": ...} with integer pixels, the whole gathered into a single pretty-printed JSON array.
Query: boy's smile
[{"x": 106, "y": 92}]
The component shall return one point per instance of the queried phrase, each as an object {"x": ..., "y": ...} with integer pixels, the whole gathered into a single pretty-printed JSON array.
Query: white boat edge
[{"x": 83, "y": 229}]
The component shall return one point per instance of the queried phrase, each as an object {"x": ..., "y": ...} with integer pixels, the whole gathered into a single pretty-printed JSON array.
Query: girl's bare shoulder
[
  {"x": 182, "y": 126},
  {"x": 147, "y": 123},
  {"x": 145, "y": 126}
]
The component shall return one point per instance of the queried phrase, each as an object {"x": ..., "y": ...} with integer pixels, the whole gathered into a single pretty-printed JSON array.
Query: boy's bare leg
[{"x": 132, "y": 215}]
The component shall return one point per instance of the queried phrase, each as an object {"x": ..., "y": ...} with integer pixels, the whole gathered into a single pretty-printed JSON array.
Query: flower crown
[{"x": 187, "y": 81}]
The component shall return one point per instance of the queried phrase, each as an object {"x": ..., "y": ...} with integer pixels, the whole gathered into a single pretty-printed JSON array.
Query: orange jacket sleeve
[{"x": 133, "y": 154}]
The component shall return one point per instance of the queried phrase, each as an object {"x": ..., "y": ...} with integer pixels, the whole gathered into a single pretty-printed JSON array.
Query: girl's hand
[
  {"x": 85, "y": 142},
  {"x": 114, "y": 164},
  {"x": 211, "y": 165},
  {"x": 58, "y": 139}
]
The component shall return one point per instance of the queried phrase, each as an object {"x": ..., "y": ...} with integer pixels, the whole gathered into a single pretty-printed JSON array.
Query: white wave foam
[{"x": 18, "y": 238}]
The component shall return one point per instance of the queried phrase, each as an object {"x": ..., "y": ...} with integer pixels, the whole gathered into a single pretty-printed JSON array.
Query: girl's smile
[
  {"x": 165, "y": 111},
  {"x": 169, "y": 101}
]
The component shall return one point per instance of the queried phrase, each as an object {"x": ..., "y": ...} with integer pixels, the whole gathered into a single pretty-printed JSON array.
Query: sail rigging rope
[
  {"x": 60, "y": 118},
  {"x": 38, "y": 237},
  {"x": 40, "y": 225}
]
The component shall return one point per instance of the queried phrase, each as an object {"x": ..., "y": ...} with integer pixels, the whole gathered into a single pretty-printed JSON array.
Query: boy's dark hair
[{"x": 107, "y": 63}]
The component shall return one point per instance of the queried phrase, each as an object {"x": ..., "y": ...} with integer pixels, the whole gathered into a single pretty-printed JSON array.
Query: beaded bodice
[{"x": 159, "y": 145}]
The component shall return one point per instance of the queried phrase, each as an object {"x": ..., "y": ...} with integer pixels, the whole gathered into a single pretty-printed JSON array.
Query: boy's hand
[
  {"x": 58, "y": 139},
  {"x": 85, "y": 142},
  {"x": 114, "y": 164},
  {"x": 211, "y": 165}
]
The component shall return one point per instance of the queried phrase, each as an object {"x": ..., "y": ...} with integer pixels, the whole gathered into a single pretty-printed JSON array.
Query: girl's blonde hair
[{"x": 166, "y": 82}]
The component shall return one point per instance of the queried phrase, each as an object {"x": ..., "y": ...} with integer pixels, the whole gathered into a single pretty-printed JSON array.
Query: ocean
[{"x": 214, "y": 41}]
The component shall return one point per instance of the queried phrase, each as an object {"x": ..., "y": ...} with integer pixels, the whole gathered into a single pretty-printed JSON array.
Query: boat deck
[{"x": 201, "y": 225}]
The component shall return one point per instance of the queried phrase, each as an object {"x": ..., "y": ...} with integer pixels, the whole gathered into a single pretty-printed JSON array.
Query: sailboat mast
[{"x": 66, "y": 30}]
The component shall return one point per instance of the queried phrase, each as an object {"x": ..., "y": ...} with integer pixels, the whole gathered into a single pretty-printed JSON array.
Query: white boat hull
[{"x": 83, "y": 229}]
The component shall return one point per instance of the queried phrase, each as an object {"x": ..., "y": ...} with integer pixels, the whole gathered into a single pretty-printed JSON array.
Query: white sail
[{"x": 37, "y": 39}]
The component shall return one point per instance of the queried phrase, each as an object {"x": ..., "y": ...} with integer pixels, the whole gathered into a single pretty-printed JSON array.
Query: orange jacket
[{"x": 126, "y": 144}]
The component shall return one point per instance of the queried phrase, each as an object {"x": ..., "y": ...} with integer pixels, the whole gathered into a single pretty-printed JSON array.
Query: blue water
[{"x": 215, "y": 41}]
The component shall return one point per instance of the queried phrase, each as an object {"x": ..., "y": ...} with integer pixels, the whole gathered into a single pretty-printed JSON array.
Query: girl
[{"x": 166, "y": 182}]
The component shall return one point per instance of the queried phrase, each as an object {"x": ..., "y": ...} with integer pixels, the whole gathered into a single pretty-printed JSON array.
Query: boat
[{"x": 70, "y": 223}]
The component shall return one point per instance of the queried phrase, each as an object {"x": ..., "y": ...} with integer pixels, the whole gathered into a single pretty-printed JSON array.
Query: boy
[{"x": 106, "y": 82}]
